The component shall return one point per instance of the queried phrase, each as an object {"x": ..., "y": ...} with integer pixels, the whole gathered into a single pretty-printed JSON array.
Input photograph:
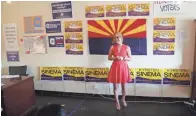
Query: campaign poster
[
  {"x": 10, "y": 37},
  {"x": 61, "y": 10},
  {"x": 33, "y": 24},
  {"x": 177, "y": 77},
  {"x": 53, "y": 27},
  {"x": 74, "y": 48},
  {"x": 51, "y": 73},
  {"x": 138, "y": 9},
  {"x": 56, "y": 41},
  {"x": 163, "y": 48},
  {"x": 12, "y": 56},
  {"x": 164, "y": 23},
  {"x": 75, "y": 37},
  {"x": 73, "y": 26},
  {"x": 94, "y": 11},
  {"x": 164, "y": 35},
  {"x": 96, "y": 74},
  {"x": 74, "y": 73},
  {"x": 35, "y": 45},
  {"x": 148, "y": 75},
  {"x": 116, "y": 10}
]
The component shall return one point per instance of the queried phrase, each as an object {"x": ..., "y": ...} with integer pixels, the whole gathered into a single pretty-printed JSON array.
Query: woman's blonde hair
[{"x": 113, "y": 38}]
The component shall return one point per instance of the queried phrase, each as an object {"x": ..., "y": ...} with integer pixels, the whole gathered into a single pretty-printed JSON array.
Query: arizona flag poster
[{"x": 101, "y": 32}]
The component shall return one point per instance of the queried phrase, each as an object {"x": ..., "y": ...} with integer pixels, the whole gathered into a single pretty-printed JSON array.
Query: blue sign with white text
[
  {"x": 53, "y": 27},
  {"x": 56, "y": 41},
  {"x": 61, "y": 10}
]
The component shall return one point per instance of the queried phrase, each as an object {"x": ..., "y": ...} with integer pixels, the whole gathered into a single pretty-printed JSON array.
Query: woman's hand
[{"x": 119, "y": 57}]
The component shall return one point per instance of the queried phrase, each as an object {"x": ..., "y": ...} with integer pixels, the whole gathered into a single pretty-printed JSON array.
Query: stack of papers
[{"x": 10, "y": 76}]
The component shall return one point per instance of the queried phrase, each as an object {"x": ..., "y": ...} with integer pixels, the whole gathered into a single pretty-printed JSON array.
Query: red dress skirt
[{"x": 119, "y": 71}]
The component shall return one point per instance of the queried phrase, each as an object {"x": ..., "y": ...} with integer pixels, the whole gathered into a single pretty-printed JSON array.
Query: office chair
[{"x": 18, "y": 70}]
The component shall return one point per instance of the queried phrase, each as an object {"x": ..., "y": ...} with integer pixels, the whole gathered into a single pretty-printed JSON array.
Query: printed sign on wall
[
  {"x": 151, "y": 76},
  {"x": 94, "y": 11},
  {"x": 74, "y": 37},
  {"x": 61, "y": 10},
  {"x": 53, "y": 27},
  {"x": 162, "y": 48},
  {"x": 33, "y": 24},
  {"x": 73, "y": 26},
  {"x": 56, "y": 41},
  {"x": 12, "y": 56},
  {"x": 51, "y": 73},
  {"x": 10, "y": 37},
  {"x": 116, "y": 10},
  {"x": 177, "y": 76},
  {"x": 138, "y": 9},
  {"x": 164, "y": 23},
  {"x": 74, "y": 73},
  {"x": 164, "y": 36},
  {"x": 74, "y": 48},
  {"x": 171, "y": 7},
  {"x": 35, "y": 44}
]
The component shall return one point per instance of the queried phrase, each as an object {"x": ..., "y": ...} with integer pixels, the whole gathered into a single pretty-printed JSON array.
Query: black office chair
[{"x": 18, "y": 70}]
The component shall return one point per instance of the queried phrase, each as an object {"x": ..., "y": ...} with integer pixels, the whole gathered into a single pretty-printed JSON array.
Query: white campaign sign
[
  {"x": 10, "y": 36},
  {"x": 172, "y": 7}
]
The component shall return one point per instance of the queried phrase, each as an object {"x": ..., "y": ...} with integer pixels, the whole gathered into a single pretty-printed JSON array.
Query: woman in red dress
[{"x": 119, "y": 71}]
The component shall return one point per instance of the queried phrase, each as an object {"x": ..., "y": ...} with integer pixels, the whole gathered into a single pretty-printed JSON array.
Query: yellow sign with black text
[
  {"x": 51, "y": 73},
  {"x": 148, "y": 75},
  {"x": 177, "y": 76}
]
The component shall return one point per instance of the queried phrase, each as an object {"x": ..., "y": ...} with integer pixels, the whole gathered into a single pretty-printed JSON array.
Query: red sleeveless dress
[{"x": 119, "y": 71}]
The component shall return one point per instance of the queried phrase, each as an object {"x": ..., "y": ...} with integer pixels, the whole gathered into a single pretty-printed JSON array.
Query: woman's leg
[
  {"x": 116, "y": 96},
  {"x": 123, "y": 86}
]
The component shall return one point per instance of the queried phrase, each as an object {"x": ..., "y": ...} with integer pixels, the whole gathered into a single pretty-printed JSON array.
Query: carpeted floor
[{"x": 103, "y": 107}]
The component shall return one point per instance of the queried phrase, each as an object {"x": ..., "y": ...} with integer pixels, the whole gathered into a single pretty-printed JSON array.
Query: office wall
[{"x": 183, "y": 58}]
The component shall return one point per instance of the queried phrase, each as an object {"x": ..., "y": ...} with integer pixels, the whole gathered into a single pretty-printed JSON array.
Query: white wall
[{"x": 183, "y": 58}]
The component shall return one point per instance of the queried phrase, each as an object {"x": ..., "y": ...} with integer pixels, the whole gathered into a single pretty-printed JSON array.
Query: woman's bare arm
[
  {"x": 128, "y": 58},
  {"x": 110, "y": 55}
]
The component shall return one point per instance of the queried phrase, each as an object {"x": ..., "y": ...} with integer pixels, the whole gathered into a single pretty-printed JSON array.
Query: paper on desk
[{"x": 10, "y": 76}]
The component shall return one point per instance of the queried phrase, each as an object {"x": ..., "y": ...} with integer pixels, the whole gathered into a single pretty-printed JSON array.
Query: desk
[{"x": 17, "y": 95}]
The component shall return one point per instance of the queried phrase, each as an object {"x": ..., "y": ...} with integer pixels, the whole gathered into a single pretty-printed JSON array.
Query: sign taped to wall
[
  {"x": 164, "y": 23},
  {"x": 35, "y": 44},
  {"x": 138, "y": 9},
  {"x": 116, "y": 10},
  {"x": 73, "y": 26},
  {"x": 74, "y": 48},
  {"x": 56, "y": 41},
  {"x": 160, "y": 48},
  {"x": 164, "y": 36},
  {"x": 148, "y": 75},
  {"x": 177, "y": 76},
  {"x": 33, "y": 24},
  {"x": 53, "y": 27},
  {"x": 96, "y": 74},
  {"x": 74, "y": 73},
  {"x": 51, "y": 73},
  {"x": 94, "y": 11},
  {"x": 12, "y": 56},
  {"x": 61, "y": 10},
  {"x": 10, "y": 37},
  {"x": 75, "y": 37}
]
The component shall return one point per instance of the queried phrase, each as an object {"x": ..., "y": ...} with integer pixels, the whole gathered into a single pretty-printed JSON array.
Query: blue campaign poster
[
  {"x": 56, "y": 41},
  {"x": 53, "y": 27},
  {"x": 61, "y": 10}
]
